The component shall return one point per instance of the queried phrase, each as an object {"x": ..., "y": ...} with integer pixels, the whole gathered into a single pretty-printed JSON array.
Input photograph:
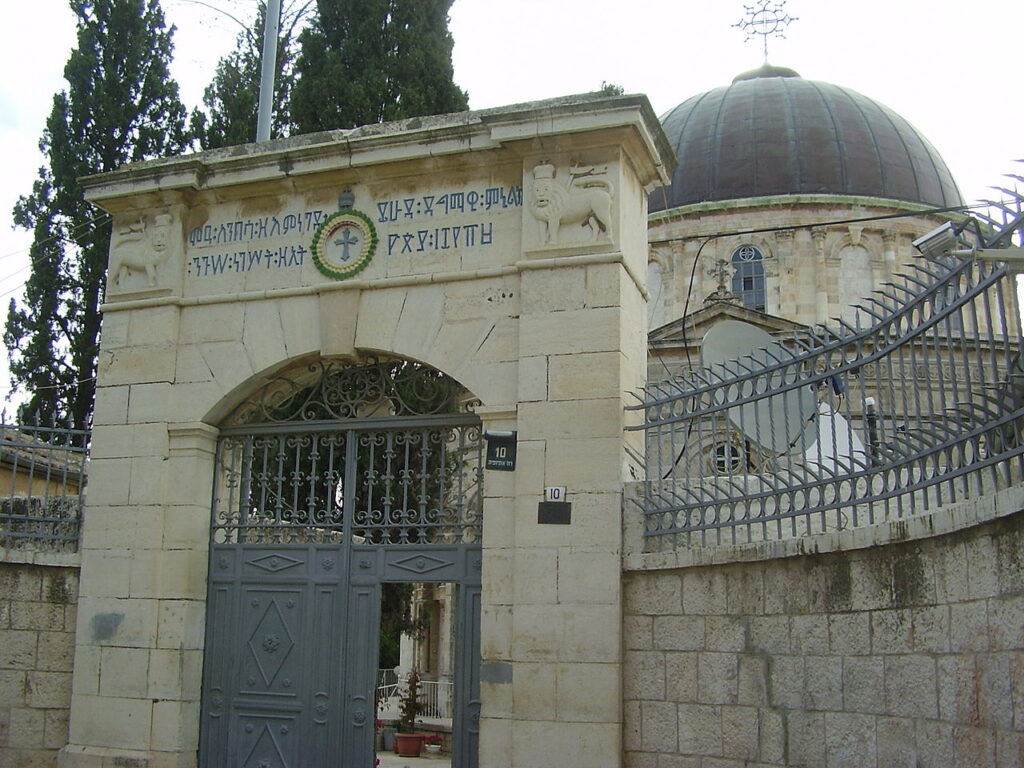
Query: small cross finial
[
  {"x": 765, "y": 19},
  {"x": 723, "y": 272}
]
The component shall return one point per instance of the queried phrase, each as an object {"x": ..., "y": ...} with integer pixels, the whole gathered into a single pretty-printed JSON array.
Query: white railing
[
  {"x": 387, "y": 678},
  {"x": 435, "y": 699}
]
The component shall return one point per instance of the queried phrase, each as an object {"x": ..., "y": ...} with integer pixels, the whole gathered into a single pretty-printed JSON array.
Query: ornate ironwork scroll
[
  {"x": 333, "y": 389},
  {"x": 381, "y": 453}
]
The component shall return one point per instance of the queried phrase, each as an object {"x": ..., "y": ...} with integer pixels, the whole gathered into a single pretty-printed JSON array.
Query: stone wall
[
  {"x": 905, "y": 654},
  {"x": 37, "y": 636}
]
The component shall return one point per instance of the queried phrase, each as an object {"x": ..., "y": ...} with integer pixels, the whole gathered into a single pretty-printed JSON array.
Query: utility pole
[{"x": 271, "y": 30}]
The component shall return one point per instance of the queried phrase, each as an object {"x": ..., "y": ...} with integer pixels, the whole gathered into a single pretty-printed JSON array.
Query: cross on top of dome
[{"x": 765, "y": 19}]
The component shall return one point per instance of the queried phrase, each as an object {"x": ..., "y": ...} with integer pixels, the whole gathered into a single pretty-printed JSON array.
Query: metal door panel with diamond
[
  {"x": 268, "y": 741},
  {"x": 423, "y": 564},
  {"x": 271, "y": 622},
  {"x": 283, "y": 624}
]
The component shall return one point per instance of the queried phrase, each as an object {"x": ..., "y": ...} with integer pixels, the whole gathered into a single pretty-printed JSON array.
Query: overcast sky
[{"x": 948, "y": 67}]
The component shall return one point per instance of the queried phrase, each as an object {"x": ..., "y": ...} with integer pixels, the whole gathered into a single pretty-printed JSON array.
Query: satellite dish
[
  {"x": 836, "y": 447},
  {"x": 780, "y": 423}
]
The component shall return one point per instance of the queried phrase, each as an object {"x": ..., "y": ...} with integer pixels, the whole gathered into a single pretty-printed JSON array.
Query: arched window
[{"x": 748, "y": 276}]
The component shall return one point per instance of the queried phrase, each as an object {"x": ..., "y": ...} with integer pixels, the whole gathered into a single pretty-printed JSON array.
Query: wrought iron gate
[{"x": 326, "y": 488}]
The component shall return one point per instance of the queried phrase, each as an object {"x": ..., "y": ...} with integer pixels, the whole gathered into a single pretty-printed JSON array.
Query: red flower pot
[{"x": 408, "y": 744}]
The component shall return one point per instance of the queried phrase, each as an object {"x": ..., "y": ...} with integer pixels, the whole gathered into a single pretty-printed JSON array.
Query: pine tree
[
  {"x": 233, "y": 96},
  {"x": 367, "y": 61},
  {"x": 120, "y": 106}
]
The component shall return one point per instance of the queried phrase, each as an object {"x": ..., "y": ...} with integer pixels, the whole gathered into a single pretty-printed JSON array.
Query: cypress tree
[
  {"x": 368, "y": 61},
  {"x": 120, "y": 106}
]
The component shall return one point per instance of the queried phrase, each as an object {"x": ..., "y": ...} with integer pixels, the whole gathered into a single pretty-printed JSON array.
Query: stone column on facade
[
  {"x": 889, "y": 252},
  {"x": 786, "y": 293},
  {"x": 683, "y": 255},
  {"x": 661, "y": 263},
  {"x": 675, "y": 259},
  {"x": 818, "y": 235}
]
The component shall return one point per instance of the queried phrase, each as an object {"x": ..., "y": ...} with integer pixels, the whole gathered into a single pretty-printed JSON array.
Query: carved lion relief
[
  {"x": 586, "y": 200},
  {"x": 139, "y": 247}
]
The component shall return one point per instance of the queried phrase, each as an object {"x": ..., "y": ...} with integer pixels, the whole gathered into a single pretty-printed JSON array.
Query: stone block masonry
[
  {"x": 37, "y": 639},
  {"x": 909, "y": 654}
]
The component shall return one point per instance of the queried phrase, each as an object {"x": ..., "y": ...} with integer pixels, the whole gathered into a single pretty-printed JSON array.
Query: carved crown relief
[
  {"x": 138, "y": 250},
  {"x": 586, "y": 201}
]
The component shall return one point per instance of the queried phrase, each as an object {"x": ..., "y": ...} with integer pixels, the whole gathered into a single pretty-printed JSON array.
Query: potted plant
[
  {"x": 408, "y": 743},
  {"x": 433, "y": 743}
]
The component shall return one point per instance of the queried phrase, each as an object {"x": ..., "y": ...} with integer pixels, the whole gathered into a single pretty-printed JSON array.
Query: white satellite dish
[
  {"x": 780, "y": 423},
  {"x": 836, "y": 447}
]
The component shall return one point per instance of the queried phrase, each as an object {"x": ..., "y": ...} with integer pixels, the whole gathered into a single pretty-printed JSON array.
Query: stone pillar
[
  {"x": 552, "y": 628},
  {"x": 138, "y": 657}
]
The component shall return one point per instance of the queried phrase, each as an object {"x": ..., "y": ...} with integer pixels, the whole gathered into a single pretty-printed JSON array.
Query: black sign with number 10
[{"x": 501, "y": 451}]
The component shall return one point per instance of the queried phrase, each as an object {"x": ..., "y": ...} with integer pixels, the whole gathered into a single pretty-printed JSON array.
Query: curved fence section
[{"x": 916, "y": 403}]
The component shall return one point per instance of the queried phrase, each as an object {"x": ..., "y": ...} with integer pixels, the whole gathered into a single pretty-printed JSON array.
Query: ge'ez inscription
[
  {"x": 247, "y": 261},
  {"x": 255, "y": 229},
  {"x": 441, "y": 238},
  {"x": 492, "y": 198}
]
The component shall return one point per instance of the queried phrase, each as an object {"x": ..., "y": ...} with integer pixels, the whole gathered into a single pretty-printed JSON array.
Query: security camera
[{"x": 939, "y": 240}]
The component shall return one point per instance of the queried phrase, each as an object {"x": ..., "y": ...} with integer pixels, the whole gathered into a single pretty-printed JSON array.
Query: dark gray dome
[{"x": 773, "y": 133}]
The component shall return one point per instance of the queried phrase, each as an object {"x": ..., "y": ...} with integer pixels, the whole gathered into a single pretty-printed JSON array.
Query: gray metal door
[
  {"x": 292, "y": 652},
  {"x": 275, "y": 622},
  {"x": 310, "y": 517},
  {"x": 466, "y": 723},
  {"x": 360, "y": 675}
]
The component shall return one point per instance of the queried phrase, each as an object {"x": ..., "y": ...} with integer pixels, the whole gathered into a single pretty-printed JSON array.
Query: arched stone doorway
[{"x": 330, "y": 481}]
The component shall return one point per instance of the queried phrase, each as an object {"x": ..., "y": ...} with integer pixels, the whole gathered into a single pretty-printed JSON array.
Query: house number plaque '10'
[{"x": 501, "y": 451}]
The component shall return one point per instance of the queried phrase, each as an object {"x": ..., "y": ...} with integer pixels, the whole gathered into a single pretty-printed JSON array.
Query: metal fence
[
  {"x": 43, "y": 487},
  {"x": 915, "y": 404}
]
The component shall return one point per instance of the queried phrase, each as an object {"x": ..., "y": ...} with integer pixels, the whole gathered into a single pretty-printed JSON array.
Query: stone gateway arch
[{"x": 502, "y": 250}]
